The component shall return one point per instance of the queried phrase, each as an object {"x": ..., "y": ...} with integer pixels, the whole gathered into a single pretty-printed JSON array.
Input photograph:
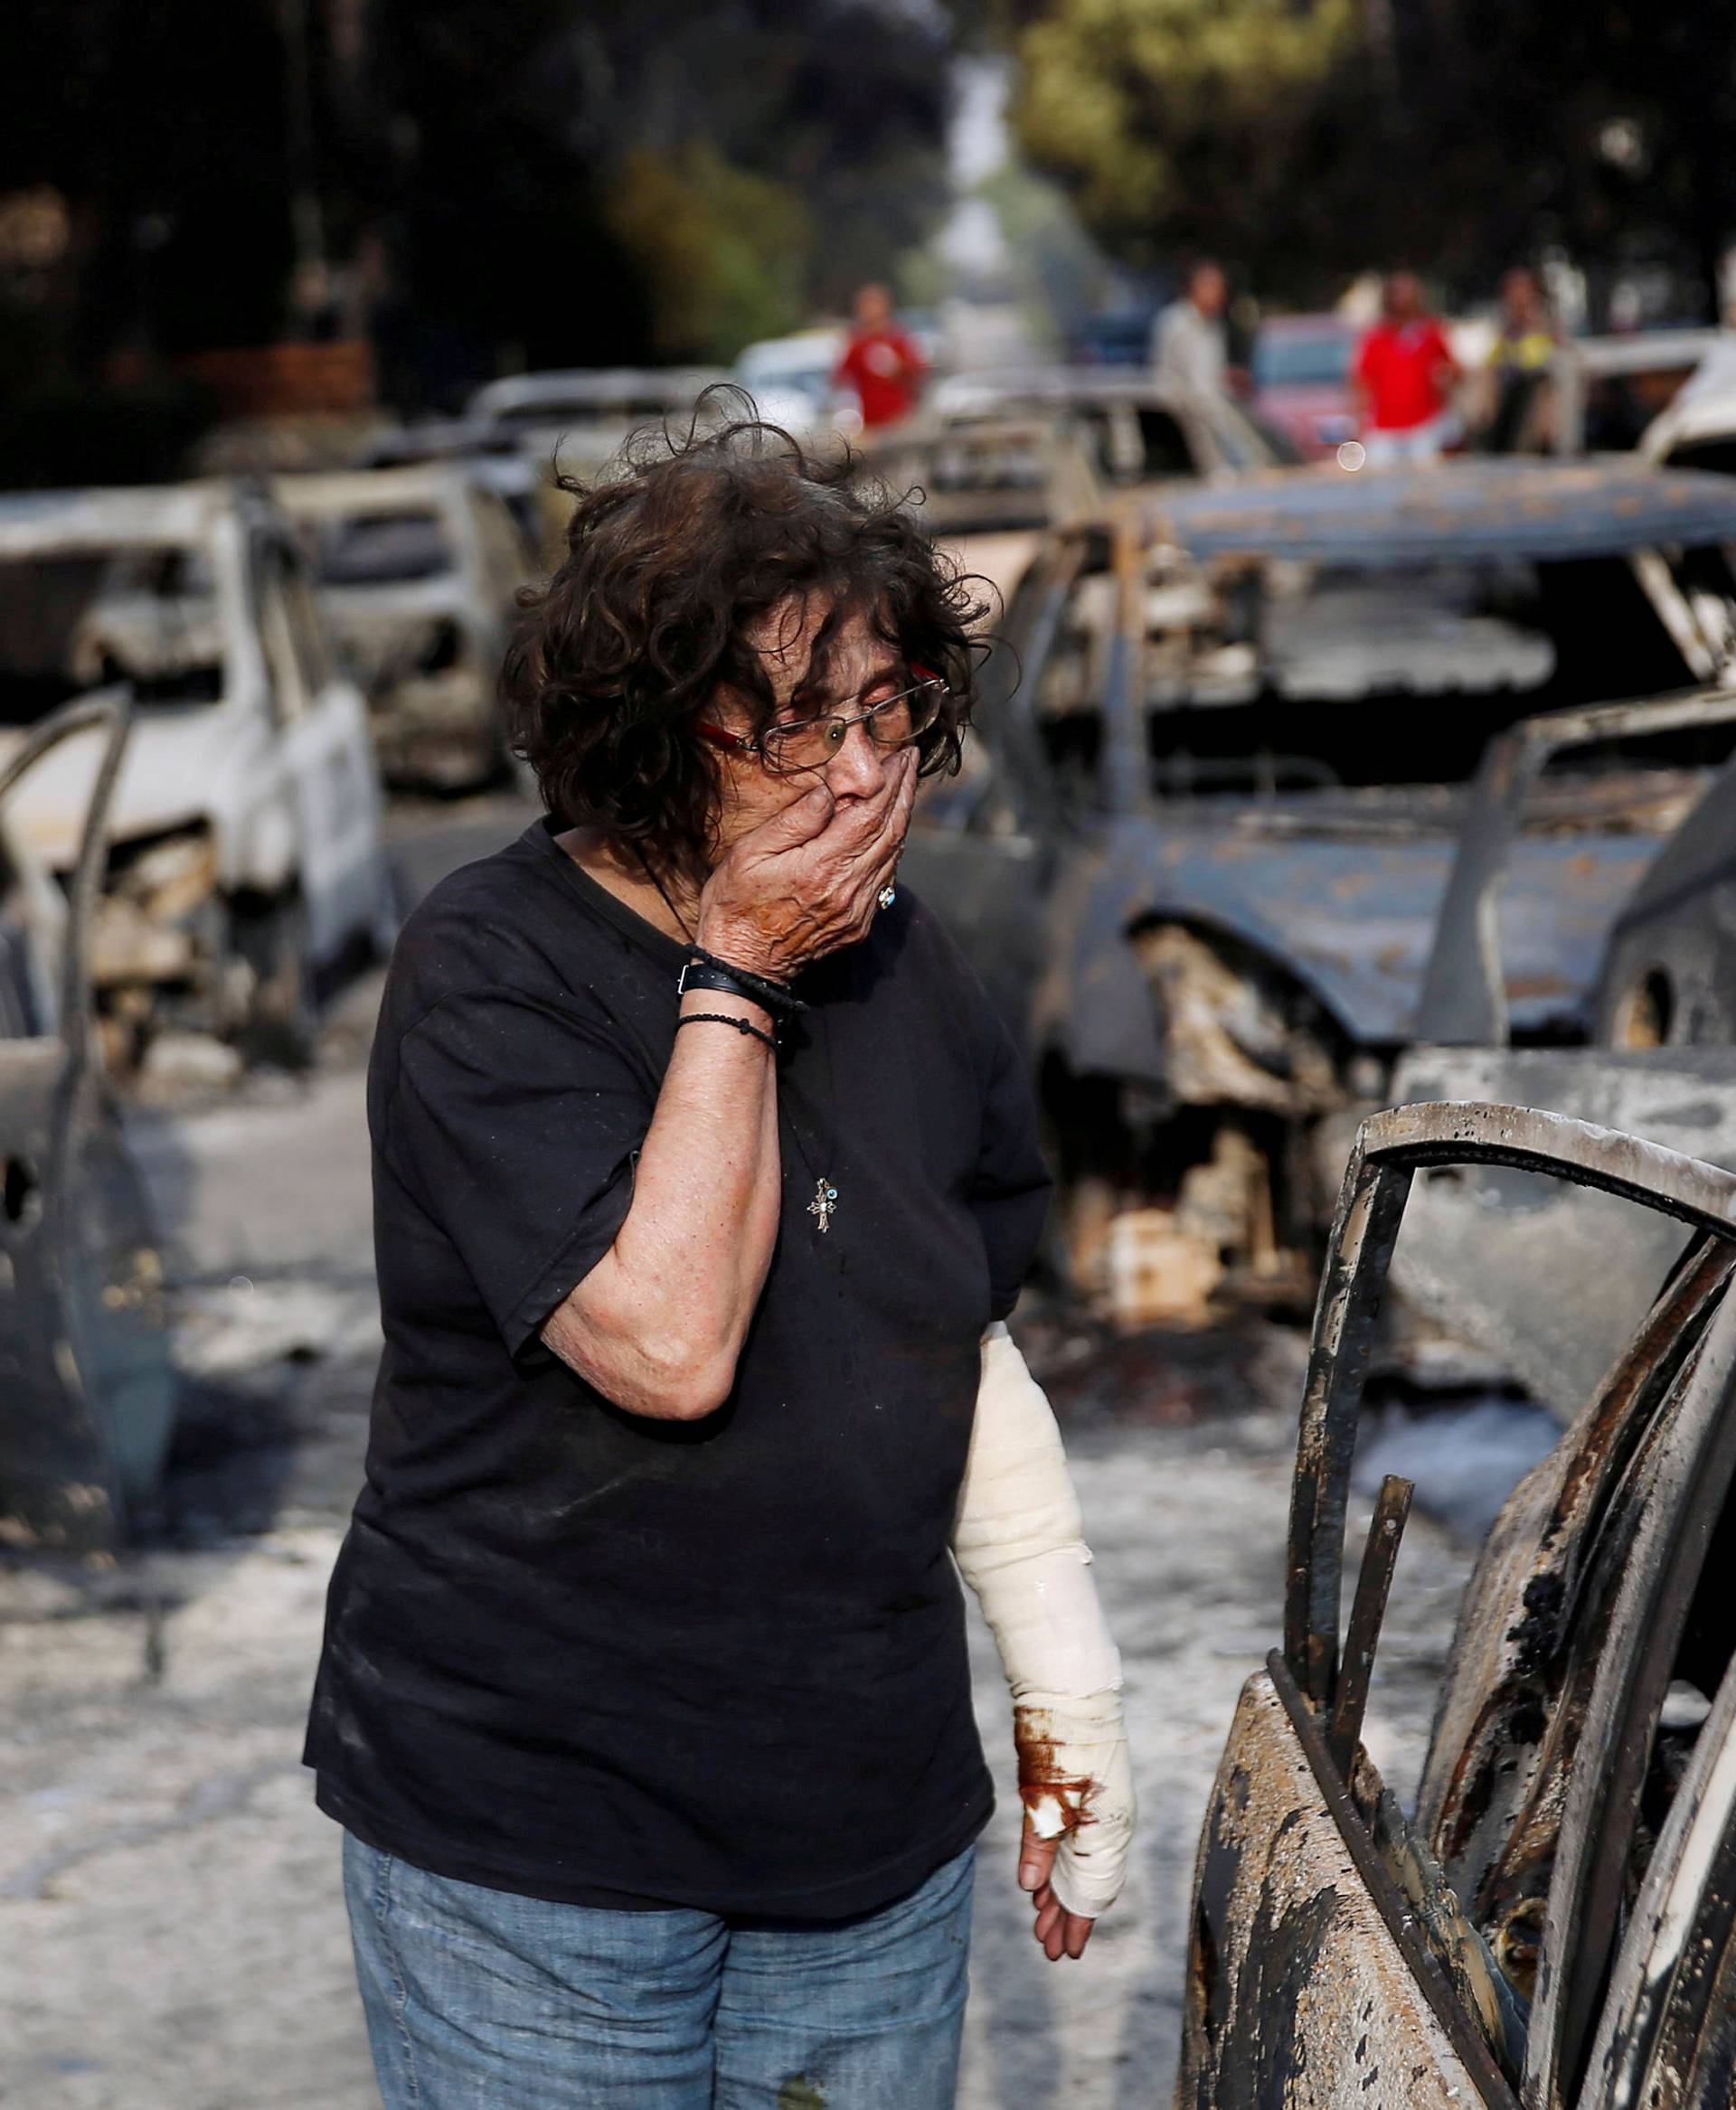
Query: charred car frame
[{"x": 1557, "y": 1927}]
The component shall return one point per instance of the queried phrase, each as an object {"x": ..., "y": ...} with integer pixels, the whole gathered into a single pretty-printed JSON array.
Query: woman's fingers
[
  {"x": 1060, "y": 1933},
  {"x": 1036, "y": 1858},
  {"x": 809, "y": 878}
]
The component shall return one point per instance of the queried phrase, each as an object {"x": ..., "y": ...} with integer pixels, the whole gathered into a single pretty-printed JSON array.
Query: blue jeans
[{"x": 479, "y": 2000}]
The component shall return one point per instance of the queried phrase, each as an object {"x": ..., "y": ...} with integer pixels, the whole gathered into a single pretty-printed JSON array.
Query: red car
[{"x": 1302, "y": 382}]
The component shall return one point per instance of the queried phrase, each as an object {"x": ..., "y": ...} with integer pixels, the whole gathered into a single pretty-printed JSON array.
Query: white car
[
  {"x": 418, "y": 568},
  {"x": 1697, "y": 431},
  {"x": 790, "y": 381},
  {"x": 246, "y": 857}
]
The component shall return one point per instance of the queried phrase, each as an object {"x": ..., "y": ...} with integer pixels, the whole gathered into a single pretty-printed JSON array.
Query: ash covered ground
[{"x": 172, "y": 1935}]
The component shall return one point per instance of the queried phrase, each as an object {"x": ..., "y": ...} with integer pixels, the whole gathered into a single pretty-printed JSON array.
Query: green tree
[
  {"x": 1182, "y": 123},
  {"x": 1306, "y": 139},
  {"x": 724, "y": 252}
]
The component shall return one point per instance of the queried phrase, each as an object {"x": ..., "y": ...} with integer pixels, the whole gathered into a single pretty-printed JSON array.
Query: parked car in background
[
  {"x": 245, "y": 858},
  {"x": 986, "y": 488},
  {"x": 587, "y": 414},
  {"x": 417, "y": 569},
  {"x": 1301, "y": 376},
  {"x": 520, "y": 483},
  {"x": 1610, "y": 389},
  {"x": 1139, "y": 432},
  {"x": 1552, "y": 1929},
  {"x": 1199, "y": 851},
  {"x": 790, "y": 380},
  {"x": 86, "y": 1390}
]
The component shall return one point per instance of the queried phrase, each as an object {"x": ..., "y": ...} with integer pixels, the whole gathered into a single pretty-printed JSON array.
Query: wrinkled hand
[
  {"x": 1059, "y": 1933},
  {"x": 804, "y": 883}
]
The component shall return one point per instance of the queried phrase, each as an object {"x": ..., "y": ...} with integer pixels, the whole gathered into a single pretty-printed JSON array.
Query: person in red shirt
[
  {"x": 1403, "y": 379},
  {"x": 880, "y": 363}
]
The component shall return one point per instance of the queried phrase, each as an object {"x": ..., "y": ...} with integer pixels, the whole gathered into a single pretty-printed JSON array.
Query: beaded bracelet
[{"x": 720, "y": 1018}]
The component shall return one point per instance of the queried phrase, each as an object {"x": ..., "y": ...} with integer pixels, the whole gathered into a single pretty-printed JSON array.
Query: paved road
[{"x": 171, "y": 1932}]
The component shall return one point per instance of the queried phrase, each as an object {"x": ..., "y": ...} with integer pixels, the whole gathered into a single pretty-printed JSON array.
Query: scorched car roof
[{"x": 1452, "y": 512}]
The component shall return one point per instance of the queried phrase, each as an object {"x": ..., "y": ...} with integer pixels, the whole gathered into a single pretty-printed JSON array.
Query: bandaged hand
[{"x": 1019, "y": 1542}]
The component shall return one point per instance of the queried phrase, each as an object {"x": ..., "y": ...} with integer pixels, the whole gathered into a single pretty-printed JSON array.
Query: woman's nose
[{"x": 859, "y": 765}]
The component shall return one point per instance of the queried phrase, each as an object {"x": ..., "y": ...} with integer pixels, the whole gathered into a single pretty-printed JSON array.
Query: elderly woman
[{"x": 704, "y": 1174}]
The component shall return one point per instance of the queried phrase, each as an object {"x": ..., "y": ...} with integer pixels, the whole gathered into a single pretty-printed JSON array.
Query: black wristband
[
  {"x": 770, "y": 996},
  {"x": 694, "y": 975},
  {"x": 720, "y": 1018}
]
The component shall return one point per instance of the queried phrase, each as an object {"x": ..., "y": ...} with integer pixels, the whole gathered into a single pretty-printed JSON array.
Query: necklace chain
[{"x": 650, "y": 872}]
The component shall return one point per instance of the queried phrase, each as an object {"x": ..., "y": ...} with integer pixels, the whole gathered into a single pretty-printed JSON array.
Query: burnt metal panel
[
  {"x": 1552, "y": 1279},
  {"x": 1464, "y": 1000},
  {"x": 1349, "y": 911},
  {"x": 1451, "y": 512},
  {"x": 1310, "y": 1983}
]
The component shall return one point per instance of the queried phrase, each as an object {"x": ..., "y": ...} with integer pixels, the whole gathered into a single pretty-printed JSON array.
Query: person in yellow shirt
[{"x": 1519, "y": 365}]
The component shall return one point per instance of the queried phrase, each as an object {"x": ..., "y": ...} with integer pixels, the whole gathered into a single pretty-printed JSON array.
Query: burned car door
[
  {"x": 87, "y": 1392},
  {"x": 1492, "y": 1951}
]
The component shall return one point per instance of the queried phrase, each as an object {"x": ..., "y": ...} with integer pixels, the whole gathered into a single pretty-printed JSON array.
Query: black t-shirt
[{"x": 580, "y": 1655}]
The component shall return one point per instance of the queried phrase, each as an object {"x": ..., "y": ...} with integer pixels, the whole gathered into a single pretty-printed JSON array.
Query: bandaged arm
[{"x": 1019, "y": 1542}]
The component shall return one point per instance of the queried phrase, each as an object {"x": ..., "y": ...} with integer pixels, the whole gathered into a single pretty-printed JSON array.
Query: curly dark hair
[{"x": 669, "y": 561}]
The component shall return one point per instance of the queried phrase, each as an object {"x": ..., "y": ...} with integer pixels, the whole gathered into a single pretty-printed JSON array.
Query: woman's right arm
[{"x": 657, "y": 1324}]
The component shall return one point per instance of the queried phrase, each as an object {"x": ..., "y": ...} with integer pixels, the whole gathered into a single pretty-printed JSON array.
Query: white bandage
[{"x": 1019, "y": 1544}]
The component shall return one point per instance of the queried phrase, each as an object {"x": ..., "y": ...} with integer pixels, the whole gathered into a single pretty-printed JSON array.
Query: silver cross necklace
[{"x": 825, "y": 1204}]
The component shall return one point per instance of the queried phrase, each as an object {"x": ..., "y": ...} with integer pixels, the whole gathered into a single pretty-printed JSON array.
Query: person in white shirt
[{"x": 1189, "y": 344}]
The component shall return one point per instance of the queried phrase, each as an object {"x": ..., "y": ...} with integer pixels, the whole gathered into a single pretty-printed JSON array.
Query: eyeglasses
[{"x": 810, "y": 743}]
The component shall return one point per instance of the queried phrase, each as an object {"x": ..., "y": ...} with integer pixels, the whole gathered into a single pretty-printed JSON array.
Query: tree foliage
[
  {"x": 1306, "y": 139},
  {"x": 722, "y": 251},
  {"x": 1180, "y": 120}
]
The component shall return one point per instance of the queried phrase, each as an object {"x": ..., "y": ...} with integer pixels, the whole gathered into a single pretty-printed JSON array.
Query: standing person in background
[
  {"x": 1403, "y": 379},
  {"x": 1190, "y": 345},
  {"x": 1519, "y": 365},
  {"x": 880, "y": 363}
]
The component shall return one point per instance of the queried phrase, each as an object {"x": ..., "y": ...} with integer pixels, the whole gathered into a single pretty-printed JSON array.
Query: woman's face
[{"x": 860, "y": 669}]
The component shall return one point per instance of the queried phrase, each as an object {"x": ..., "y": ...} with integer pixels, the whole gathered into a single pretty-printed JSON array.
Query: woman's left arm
[{"x": 1019, "y": 1541}]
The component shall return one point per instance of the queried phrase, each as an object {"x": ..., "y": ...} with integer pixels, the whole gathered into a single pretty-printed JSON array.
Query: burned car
[
  {"x": 987, "y": 488},
  {"x": 245, "y": 858},
  {"x": 87, "y": 1391},
  {"x": 587, "y": 414},
  {"x": 417, "y": 569},
  {"x": 1555, "y": 1926},
  {"x": 1200, "y": 850},
  {"x": 1138, "y": 431},
  {"x": 1549, "y": 1280}
]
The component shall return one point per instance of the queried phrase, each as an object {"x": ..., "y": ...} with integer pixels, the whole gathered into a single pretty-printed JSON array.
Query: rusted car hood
[
  {"x": 1451, "y": 513},
  {"x": 1350, "y": 912}
]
